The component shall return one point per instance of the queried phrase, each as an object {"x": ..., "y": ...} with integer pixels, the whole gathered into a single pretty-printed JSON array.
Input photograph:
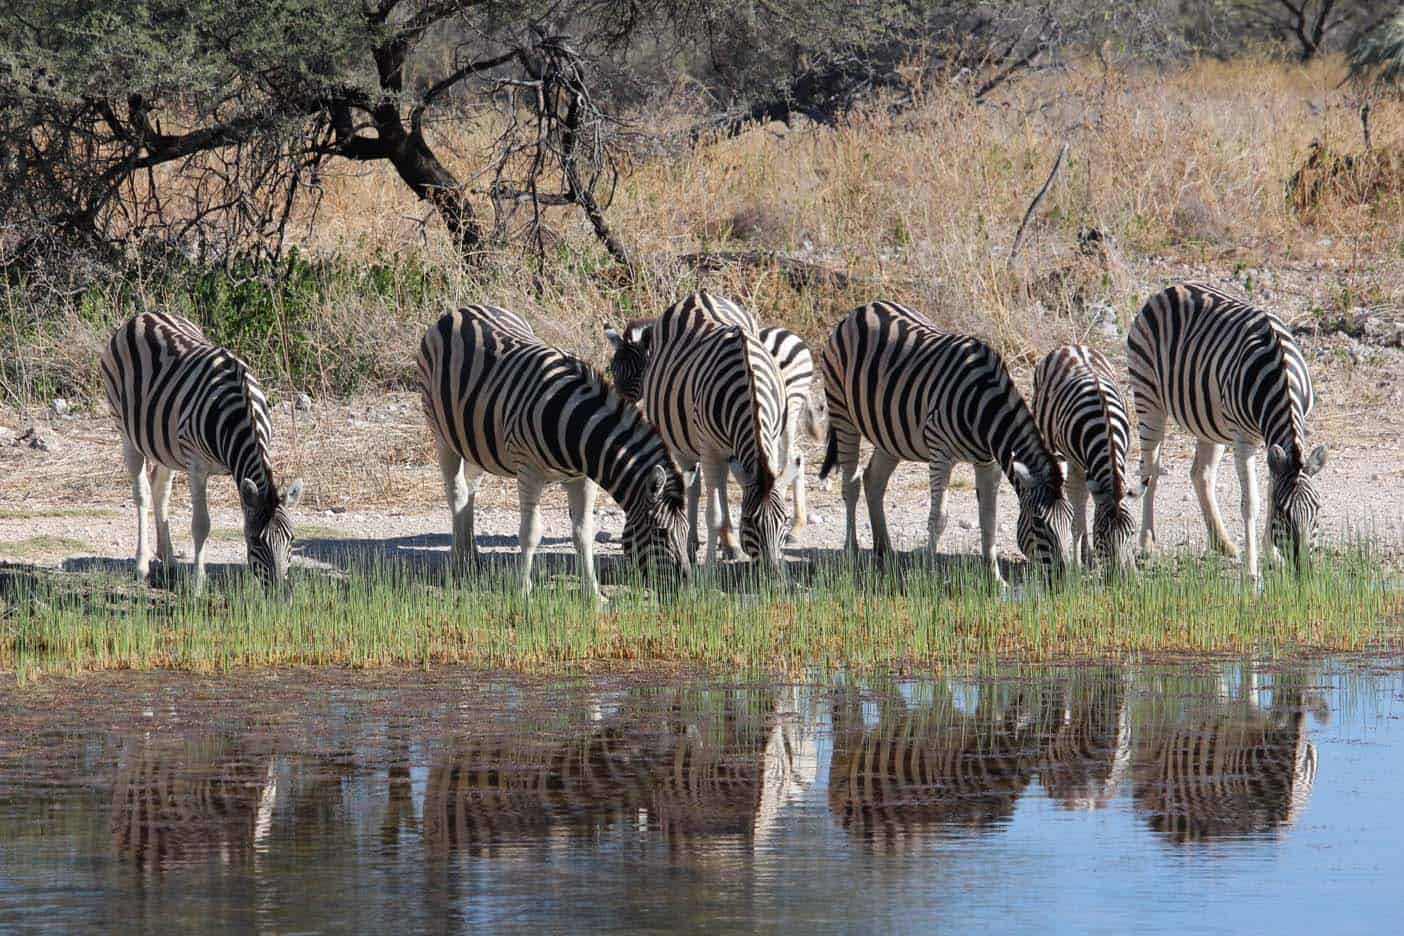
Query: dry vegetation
[{"x": 1186, "y": 170}]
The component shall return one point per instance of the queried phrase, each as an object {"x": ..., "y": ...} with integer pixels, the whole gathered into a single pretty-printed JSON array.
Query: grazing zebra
[
  {"x": 185, "y": 404},
  {"x": 500, "y": 401},
  {"x": 718, "y": 398},
  {"x": 1232, "y": 375},
  {"x": 1083, "y": 417},
  {"x": 920, "y": 395},
  {"x": 630, "y": 360}
]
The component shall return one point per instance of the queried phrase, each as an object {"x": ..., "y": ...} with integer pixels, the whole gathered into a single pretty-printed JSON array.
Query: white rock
[
  {"x": 302, "y": 402},
  {"x": 60, "y": 406},
  {"x": 815, "y": 517}
]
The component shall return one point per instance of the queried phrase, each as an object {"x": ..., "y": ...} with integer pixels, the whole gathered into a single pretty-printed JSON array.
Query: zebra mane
[{"x": 247, "y": 383}]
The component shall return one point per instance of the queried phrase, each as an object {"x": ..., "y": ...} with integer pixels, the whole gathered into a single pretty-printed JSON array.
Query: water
[{"x": 1226, "y": 798}]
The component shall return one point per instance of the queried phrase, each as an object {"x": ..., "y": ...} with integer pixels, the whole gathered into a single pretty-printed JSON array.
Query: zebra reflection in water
[
  {"x": 1229, "y": 770},
  {"x": 714, "y": 765}
]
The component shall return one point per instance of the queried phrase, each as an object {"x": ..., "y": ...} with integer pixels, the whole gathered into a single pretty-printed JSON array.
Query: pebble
[
  {"x": 815, "y": 517},
  {"x": 60, "y": 406},
  {"x": 966, "y": 525}
]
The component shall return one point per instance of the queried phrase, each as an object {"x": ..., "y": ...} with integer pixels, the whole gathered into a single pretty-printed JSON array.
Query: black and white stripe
[
  {"x": 918, "y": 394},
  {"x": 718, "y": 399},
  {"x": 805, "y": 412},
  {"x": 1083, "y": 417},
  {"x": 1230, "y": 374},
  {"x": 500, "y": 401},
  {"x": 185, "y": 404}
]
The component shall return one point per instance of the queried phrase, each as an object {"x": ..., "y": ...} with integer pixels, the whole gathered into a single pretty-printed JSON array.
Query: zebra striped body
[
  {"x": 717, "y": 398},
  {"x": 630, "y": 360},
  {"x": 920, "y": 395},
  {"x": 1232, "y": 375},
  {"x": 185, "y": 404},
  {"x": 1083, "y": 417},
  {"x": 500, "y": 401}
]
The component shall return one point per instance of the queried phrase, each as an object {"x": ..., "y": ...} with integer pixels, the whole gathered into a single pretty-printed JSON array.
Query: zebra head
[
  {"x": 268, "y": 527},
  {"x": 1114, "y": 526},
  {"x": 1045, "y": 517},
  {"x": 765, "y": 514},
  {"x": 631, "y": 351},
  {"x": 1292, "y": 499},
  {"x": 655, "y": 525}
]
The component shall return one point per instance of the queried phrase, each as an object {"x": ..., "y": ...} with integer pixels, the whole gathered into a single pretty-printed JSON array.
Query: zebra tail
[{"x": 830, "y": 455}]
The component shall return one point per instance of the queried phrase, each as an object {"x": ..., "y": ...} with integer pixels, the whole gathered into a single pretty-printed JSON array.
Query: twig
[{"x": 1038, "y": 199}]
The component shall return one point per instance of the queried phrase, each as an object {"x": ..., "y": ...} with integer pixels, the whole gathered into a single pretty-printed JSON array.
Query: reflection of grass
[
  {"x": 845, "y": 614},
  {"x": 48, "y": 513},
  {"x": 39, "y": 545}
]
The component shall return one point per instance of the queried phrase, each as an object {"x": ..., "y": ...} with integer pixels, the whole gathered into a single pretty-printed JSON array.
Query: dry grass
[{"x": 1186, "y": 171}]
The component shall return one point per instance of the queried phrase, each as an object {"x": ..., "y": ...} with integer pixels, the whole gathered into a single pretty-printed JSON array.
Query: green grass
[
  {"x": 40, "y": 545},
  {"x": 848, "y": 615},
  {"x": 59, "y": 513}
]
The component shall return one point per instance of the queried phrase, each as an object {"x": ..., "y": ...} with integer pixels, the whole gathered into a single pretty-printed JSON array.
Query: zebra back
[{"x": 503, "y": 400}]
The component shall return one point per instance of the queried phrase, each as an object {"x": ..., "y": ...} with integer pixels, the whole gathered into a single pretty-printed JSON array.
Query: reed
[{"x": 834, "y": 613}]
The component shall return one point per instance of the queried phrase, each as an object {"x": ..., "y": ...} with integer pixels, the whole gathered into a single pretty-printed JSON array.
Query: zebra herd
[{"x": 703, "y": 392}]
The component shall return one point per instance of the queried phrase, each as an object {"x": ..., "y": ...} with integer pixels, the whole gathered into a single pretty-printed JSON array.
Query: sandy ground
[{"x": 65, "y": 502}]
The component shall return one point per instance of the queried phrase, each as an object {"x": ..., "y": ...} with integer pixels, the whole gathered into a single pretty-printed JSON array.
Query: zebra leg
[
  {"x": 1077, "y": 497},
  {"x": 141, "y": 494},
  {"x": 1152, "y": 434},
  {"x": 987, "y": 478},
  {"x": 199, "y": 522},
  {"x": 529, "y": 487},
  {"x": 694, "y": 496},
  {"x": 1205, "y": 474},
  {"x": 581, "y": 495},
  {"x": 875, "y": 478},
  {"x": 161, "y": 478},
  {"x": 714, "y": 471},
  {"x": 939, "y": 478},
  {"x": 801, "y": 502},
  {"x": 1245, "y": 458},
  {"x": 730, "y": 542},
  {"x": 460, "y": 493}
]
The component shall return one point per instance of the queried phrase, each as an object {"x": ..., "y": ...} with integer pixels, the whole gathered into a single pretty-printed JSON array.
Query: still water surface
[{"x": 1227, "y": 798}]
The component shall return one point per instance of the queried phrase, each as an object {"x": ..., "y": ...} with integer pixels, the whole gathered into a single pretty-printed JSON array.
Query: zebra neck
[{"x": 1019, "y": 440}]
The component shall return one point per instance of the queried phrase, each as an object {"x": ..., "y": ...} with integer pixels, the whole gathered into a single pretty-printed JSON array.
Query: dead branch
[{"x": 1037, "y": 200}]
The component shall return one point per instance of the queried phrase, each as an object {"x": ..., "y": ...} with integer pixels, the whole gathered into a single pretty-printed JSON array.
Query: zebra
[
  {"x": 1082, "y": 416},
  {"x": 804, "y": 412},
  {"x": 718, "y": 398},
  {"x": 182, "y": 403},
  {"x": 920, "y": 395},
  {"x": 1231, "y": 374},
  {"x": 500, "y": 401}
]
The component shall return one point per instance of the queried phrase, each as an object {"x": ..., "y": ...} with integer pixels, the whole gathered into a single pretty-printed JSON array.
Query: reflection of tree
[
  {"x": 923, "y": 770},
  {"x": 1085, "y": 743},
  {"x": 1231, "y": 770},
  {"x": 684, "y": 764},
  {"x": 173, "y": 800}
]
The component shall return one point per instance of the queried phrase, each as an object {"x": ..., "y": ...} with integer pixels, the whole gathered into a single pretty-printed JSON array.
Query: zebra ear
[
  {"x": 292, "y": 495},
  {"x": 658, "y": 482},
  {"x": 248, "y": 493},
  {"x": 1316, "y": 460},
  {"x": 1277, "y": 459},
  {"x": 638, "y": 334},
  {"x": 1022, "y": 475},
  {"x": 614, "y": 337}
]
